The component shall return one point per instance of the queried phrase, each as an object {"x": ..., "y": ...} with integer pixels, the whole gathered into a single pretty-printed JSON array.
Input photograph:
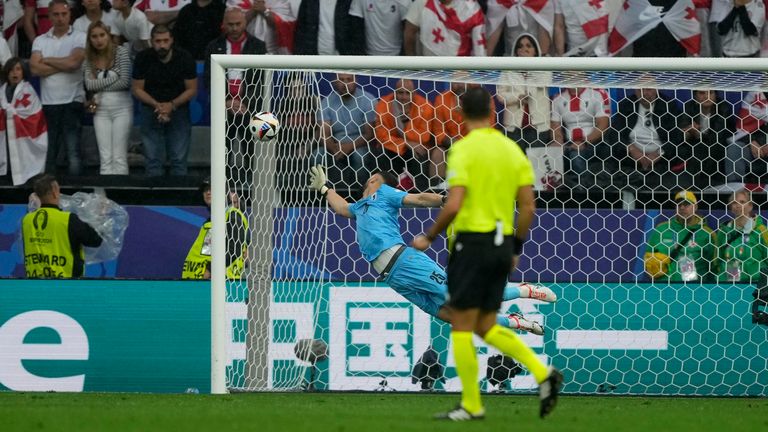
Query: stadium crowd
[{"x": 65, "y": 61}]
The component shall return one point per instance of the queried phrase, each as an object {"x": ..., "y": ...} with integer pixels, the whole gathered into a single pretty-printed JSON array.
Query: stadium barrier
[{"x": 154, "y": 336}]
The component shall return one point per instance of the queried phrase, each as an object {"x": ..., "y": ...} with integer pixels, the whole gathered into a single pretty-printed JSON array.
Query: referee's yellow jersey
[{"x": 491, "y": 167}]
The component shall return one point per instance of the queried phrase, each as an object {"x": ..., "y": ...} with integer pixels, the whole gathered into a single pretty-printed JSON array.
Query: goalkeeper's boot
[
  {"x": 460, "y": 414},
  {"x": 518, "y": 322},
  {"x": 549, "y": 389},
  {"x": 537, "y": 292}
]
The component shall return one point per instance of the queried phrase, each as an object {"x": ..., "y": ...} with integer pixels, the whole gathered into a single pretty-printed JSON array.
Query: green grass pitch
[{"x": 274, "y": 412}]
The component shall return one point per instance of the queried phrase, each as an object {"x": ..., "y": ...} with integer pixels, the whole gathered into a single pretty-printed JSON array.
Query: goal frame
[{"x": 328, "y": 63}]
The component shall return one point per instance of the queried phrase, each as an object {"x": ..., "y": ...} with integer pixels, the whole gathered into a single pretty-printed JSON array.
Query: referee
[{"x": 488, "y": 175}]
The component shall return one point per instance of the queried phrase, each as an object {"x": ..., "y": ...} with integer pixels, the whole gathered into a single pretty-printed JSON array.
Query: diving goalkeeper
[{"x": 411, "y": 273}]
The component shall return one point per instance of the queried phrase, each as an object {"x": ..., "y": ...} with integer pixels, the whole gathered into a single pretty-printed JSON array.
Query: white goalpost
[{"x": 308, "y": 313}]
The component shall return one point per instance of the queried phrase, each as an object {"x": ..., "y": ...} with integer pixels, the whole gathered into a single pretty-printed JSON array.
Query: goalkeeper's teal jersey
[{"x": 377, "y": 226}]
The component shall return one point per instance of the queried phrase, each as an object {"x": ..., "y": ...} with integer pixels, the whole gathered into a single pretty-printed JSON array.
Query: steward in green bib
[
  {"x": 742, "y": 244},
  {"x": 681, "y": 249},
  {"x": 54, "y": 239},
  {"x": 197, "y": 265}
]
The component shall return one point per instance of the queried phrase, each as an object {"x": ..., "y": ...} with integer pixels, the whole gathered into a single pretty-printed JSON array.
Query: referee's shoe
[
  {"x": 460, "y": 414},
  {"x": 549, "y": 389}
]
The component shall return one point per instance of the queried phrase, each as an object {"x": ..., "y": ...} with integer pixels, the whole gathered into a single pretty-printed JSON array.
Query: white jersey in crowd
[
  {"x": 586, "y": 26},
  {"x": 644, "y": 135},
  {"x": 62, "y": 87},
  {"x": 383, "y": 24},
  {"x": 736, "y": 43},
  {"x": 108, "y": 18},
  {"x": 134, "y": 29},
  {"x": 577, "y": 110},
  {"x": 437, "y": 23}
]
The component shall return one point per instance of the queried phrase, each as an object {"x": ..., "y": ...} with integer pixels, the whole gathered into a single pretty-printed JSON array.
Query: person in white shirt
[
  {"x": 444, "y": 28},
  {"x": 95, "y": 10},
  {"x": 383, "y": 24},
  {"x": 131, "y": 26},
  {"x": 57, "y": 58},
  {"x": 740, "y": 26},
  {"x": 580, "y": 116},
  {"x": 581, "y": 28}
]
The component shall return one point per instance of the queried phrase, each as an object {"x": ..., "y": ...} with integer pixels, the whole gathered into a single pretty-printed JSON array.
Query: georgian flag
[
  {"x": 278, "y": 40},
  {"x": 515, "y": 11},
  {"x": 639, "y": 17},
  {"x": 12, "y": 14},
  {"x": 453, "y": 31},
  {"x": 593, "y": 18},
  {"x": 27, "y": 134},
  {"x": 703, "y": 8}
]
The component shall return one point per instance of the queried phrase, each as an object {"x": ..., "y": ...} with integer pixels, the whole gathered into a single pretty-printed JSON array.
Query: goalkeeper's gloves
[{"x": 317, "y": 179}]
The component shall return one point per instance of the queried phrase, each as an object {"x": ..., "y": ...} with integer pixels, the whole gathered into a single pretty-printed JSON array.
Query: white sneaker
[
  {"x": 519, "y": 322},
  {"x": 537, "y": 292}
]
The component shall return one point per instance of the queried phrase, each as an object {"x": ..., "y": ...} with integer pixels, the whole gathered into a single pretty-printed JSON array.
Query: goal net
[{"x": 637, "y": 163}]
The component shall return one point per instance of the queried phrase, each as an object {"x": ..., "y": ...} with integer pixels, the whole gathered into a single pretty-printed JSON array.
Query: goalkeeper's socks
[
  {"x": 511, "y": 293},
  {"x": 503, "y": 320},
  {"x": 506, "y": 341},
  {"x": 467, "y": 368}
]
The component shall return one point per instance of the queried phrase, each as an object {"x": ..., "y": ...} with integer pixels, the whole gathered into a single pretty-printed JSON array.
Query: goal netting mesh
[{"x": 610, "y": 150}]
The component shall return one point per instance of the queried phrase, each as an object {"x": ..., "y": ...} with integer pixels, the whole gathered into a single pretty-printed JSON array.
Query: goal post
[{"x": 306, "y": 287}]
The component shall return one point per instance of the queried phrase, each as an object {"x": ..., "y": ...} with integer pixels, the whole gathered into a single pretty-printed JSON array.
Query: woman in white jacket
[{"x": 527, "y": 106}]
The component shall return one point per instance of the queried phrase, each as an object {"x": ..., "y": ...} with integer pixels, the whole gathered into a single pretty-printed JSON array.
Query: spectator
[
  {"x": 580, "y": 116},
  {"x": 36, "y": 19},
  {"x": 383, "y": 24},
  {"x": 161, "y": 11},
  {"x": 57, "y": 58},
  {"x": 647, "y": 124},
  {"x": 197, "y": 265},
  {"x": 54, "y": 239},
  {"x": 404, "y": 124},
  {"x": 13, "y": 20},
  {"x": 5, "y": 51},
  {"x": 581, "y": 28},
  {"x": 197, "y": 25},
  {"x": 449, "y": 125},
  {"x": 328, "y": 33},
  {"x": 681, "y": 249},
  {"x": 708, "y": 134},
  {"x": 108, "y": 78},
  {"x": 749, "y": 156},
  {"x": 298, "y": 108},
  {"x": 742, "y": 243},
  {"x": 243, "y": 96},
  {"x": 131, "y": 26},
  {"x": 19, "y": 105},
  {"x": 513, "y": 19},
  {"x": 659, "y": 41},
  {"x": 451, "y": 28},
  {"x": 347, "y": 120},
  {"x": 165, "y": 81},
  {"x": 272, "y": 21},
  {"x": 740, "y": 26},
  {"x": 527, "y": 108},
  {"x": 95, "y": 10}
]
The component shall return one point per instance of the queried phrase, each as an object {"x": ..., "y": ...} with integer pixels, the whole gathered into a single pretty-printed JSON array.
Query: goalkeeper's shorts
[{"x": 419, "y": 279}]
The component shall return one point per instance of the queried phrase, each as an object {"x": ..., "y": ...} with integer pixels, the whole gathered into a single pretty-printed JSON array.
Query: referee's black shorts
[{"x": 477, "y": 271}]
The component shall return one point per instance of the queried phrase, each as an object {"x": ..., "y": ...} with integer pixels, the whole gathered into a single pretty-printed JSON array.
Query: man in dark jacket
[
  {"x": 651, "y": 127},
  {"x": 347, "y": 38},
  {"x": 243, "y": 95}
]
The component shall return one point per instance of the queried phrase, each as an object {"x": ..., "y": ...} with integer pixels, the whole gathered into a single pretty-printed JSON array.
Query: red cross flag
[
  {"x": 638, "y": 17},
  {"x": 23, "y": 125},
  {"x": 516, "y": 12},
  {"x": 457, "y": 29}
]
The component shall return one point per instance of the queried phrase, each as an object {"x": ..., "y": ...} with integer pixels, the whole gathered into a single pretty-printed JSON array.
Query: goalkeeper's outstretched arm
[
  {"x": 424, "y": 200},
  {"x": 317, "y": 181}
]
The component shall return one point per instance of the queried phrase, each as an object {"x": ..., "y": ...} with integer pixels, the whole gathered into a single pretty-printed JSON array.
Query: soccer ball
[{"x": 264, "y": 126}]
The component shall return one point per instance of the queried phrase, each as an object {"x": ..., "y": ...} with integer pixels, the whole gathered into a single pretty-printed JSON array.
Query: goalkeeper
[{"x": 411, "y": 273}]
